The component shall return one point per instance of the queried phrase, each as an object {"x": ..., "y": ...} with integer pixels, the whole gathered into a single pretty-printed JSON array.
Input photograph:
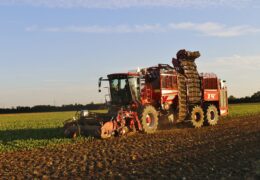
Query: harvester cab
[{"x": 124, "y": 88}]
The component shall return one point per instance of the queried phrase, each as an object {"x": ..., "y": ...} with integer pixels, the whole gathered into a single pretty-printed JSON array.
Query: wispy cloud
[
  {"x": 216, "y": 29},
  {"x": 241, "y": 62},
  {"x": 101, "y": 29},
  {"x": 129, "y": 3},
  {"x": 236, "y": 62},
  {"x": 206, "y": 29}
]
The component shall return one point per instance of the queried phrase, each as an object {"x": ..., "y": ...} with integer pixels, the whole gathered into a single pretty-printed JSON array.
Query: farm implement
[{"x": 140, "y": 100}]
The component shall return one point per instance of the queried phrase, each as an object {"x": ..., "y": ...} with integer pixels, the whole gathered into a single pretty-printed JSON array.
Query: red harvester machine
[{"x": 141, "y": 100}]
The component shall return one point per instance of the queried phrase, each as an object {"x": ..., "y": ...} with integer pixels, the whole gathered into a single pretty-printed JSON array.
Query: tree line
[
  {"x": 49, "y": 108},
  {"x": 248, "y": 99}
]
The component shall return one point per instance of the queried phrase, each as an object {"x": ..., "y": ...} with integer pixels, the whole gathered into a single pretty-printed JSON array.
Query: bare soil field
[{"x": 230, "y": 150}]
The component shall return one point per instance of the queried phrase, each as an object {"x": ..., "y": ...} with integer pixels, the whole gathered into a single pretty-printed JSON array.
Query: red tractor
[{"x": 141, "y": 99}]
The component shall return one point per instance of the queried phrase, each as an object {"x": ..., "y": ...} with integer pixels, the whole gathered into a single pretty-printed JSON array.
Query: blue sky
[{"x": 53, "y": 51}]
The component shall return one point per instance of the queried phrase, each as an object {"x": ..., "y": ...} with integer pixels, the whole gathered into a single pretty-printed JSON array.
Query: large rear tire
[
  {"x": 149, "y": 118},
  {"x": 197, "y": 117},
  {"x": 212, "y": 116}
]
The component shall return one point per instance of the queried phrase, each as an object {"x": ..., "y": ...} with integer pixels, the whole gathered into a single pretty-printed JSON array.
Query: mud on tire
[
  {"x": 197, "y": 117},
  {"x": 149, "y": 119},
  {"x": 211, "y": 115},
  {"x": 182, "y": 98}
]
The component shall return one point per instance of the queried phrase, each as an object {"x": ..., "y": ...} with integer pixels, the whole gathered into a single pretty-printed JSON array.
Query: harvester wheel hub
[
  {"x": 212, "y": 115},
  {"x": 149, "y": 120},
  {"x": 197, "y": 117}
]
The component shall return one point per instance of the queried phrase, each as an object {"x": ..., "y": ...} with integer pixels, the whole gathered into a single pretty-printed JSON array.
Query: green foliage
[{"x": 256, "y": 96}]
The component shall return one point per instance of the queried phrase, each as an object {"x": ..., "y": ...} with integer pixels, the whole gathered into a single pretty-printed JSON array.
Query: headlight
[{"x": 84, "y": 113}]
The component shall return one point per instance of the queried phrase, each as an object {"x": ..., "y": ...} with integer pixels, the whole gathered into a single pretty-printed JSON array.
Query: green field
[
  {"x": 27, "y": 131},
  {"x": 236, "y": 110}
]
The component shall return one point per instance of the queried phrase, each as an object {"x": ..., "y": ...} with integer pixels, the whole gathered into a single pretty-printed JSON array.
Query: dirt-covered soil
[{"x": 230, "y": 150}]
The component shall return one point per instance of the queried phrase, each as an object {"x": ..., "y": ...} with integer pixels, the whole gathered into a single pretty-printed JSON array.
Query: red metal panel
[{"x": 211, "y": 95}]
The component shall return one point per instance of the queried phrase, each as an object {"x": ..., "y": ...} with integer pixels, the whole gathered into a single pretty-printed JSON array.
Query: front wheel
[{"x": 149, "y": 118}]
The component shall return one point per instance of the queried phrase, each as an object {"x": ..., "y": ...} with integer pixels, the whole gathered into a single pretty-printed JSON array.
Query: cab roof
[{"x": 122, "y": 75}]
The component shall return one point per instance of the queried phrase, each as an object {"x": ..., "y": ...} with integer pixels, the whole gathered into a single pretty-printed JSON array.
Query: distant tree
[
  {"x": 256, "y": 97},
  {"x": 232, "y": 99}
]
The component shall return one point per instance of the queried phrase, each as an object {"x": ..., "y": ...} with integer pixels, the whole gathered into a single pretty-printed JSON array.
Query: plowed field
[{"x": 230, "y": 150}]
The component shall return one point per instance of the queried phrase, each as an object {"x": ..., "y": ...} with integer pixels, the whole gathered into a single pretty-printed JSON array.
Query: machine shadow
[{"x": 34, "y": 134}]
